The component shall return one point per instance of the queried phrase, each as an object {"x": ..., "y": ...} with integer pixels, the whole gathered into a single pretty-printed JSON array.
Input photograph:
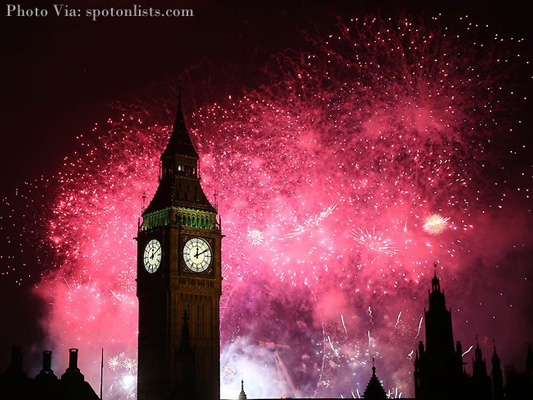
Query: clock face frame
[
  {"x": 197, "y": 254},
  {"x": 152, "y": 256}
]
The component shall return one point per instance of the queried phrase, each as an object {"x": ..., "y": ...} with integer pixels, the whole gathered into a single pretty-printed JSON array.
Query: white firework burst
[
  {"x": 255, "y": 237},
  {"x": 313, "y": 223},
  {"x": 374, "y": 241},
  {"x": 435, "y": 224}
]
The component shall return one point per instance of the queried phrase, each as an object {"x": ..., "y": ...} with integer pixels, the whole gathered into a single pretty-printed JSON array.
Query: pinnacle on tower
[
  {"x": 497, "y": 377},
  {"x": 180, "y": 140},
  {"x": 179, "y": 180},
  {"x": 242, "y": 394},
  {"x": 495, "y": 357},
  {"x": 435, "y": 283},
  {"x": 374, "y": 389}
]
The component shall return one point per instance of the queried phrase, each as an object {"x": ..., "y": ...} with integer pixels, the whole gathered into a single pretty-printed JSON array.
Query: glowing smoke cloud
[{"x": 324, "y": 180}]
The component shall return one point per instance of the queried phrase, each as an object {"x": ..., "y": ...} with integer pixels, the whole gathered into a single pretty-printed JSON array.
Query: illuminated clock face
[
  {"x": 152, "y": 255},
  {"x": 197, "y": 255}
]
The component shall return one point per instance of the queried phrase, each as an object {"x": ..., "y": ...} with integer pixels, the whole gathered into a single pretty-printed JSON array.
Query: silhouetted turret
[
  {"x": 481, "y": 385},
  {"x": 438, "y": 365},
  {"x": 497, "y": 377},
  {"x": 374, "y": 390}
]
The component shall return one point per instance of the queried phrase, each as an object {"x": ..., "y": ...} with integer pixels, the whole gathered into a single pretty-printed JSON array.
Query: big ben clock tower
[{"x": 179, "y": 281}]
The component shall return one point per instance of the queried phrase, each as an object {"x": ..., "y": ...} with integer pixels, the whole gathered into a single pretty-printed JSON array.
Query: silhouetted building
[
  {"x": 480, "y": 386},
  {"x": 520, "y": 385},
  {"x": 439, "y": 372},
  {"x": 179, "y": 281},
  {"x": 15, "y": 385},
  {"x": 374, "y": 390},
  {"x": 497, "y": 377},
  {"x": 439, "y": 366}
]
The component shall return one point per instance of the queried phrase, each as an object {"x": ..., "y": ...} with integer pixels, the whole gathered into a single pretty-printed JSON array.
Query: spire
[
  {"x": 497, "y": 376},
  {"x": 435, "y": 283},
  {"x": 495, "y": 359},
  {"x": 180, "y": 140},
  {"x": 179, "y": 180},
  {"x": 374, "y": 390},
  {"x": 242, "y": 394},
  {"x": 478, "y": 353},
  {"x": 479, "y": 368}
]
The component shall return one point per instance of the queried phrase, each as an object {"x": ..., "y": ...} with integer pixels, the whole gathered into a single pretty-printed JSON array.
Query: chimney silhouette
[
  {"x": 46, "y": 372},
  {"x": 15, "y": 370},
  {"x": 73, "y": 359},
  {"x": 73, "y": 372}
]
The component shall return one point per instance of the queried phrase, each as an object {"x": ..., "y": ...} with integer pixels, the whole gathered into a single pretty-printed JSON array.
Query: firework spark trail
[
  {"x": 312, "y": 223},
  {"x": 468, "y": 351},
  {"x": 419, "y": 327},
  {"x": 343, "y": 324},
  {"x": 374, "y": 241},
  {"x": 398, "y": 320},
  {"x": 370, "y": 315},
  {"x": 379, "y": 125},
  {"x": 332, "y": 347}
]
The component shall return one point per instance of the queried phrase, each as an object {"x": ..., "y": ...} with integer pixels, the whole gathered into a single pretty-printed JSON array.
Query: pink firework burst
[{"x": 382, "y": 122}]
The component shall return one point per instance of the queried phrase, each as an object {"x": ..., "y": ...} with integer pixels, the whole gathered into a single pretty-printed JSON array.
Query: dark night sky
[{"x": 57, "y": 76}]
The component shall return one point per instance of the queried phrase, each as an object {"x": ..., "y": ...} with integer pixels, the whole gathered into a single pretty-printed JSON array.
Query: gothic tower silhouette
[
  {"x": 481, "y": 385},
  {"x": 179, "y": 281},
  {"x": 439, "y": 366},
  {"x": 497, "y": 376}
]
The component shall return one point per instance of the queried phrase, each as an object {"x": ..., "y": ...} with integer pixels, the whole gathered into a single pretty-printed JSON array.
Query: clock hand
[
  {"x": 201, "y": 253},
  {"x": 197, "y": 253}
]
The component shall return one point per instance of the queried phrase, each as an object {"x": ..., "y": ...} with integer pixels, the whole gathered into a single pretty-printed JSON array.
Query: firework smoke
[{"x": 324, "y": 180}]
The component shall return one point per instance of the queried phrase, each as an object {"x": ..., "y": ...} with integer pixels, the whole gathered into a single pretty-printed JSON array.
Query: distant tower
[
  {"x": 529, "y": 361},
  {"x": 179, "y": 281},
  {"x": 529, "y": 373},
  {"x": 438, "y": 367},
  {"x": 520, "y": 384},
  {"x": 497, "y": 377},
  {"x": 242, "y": 394},
  {"x": 481, "y": 385},
  {"x": 374, "y": 390}
]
